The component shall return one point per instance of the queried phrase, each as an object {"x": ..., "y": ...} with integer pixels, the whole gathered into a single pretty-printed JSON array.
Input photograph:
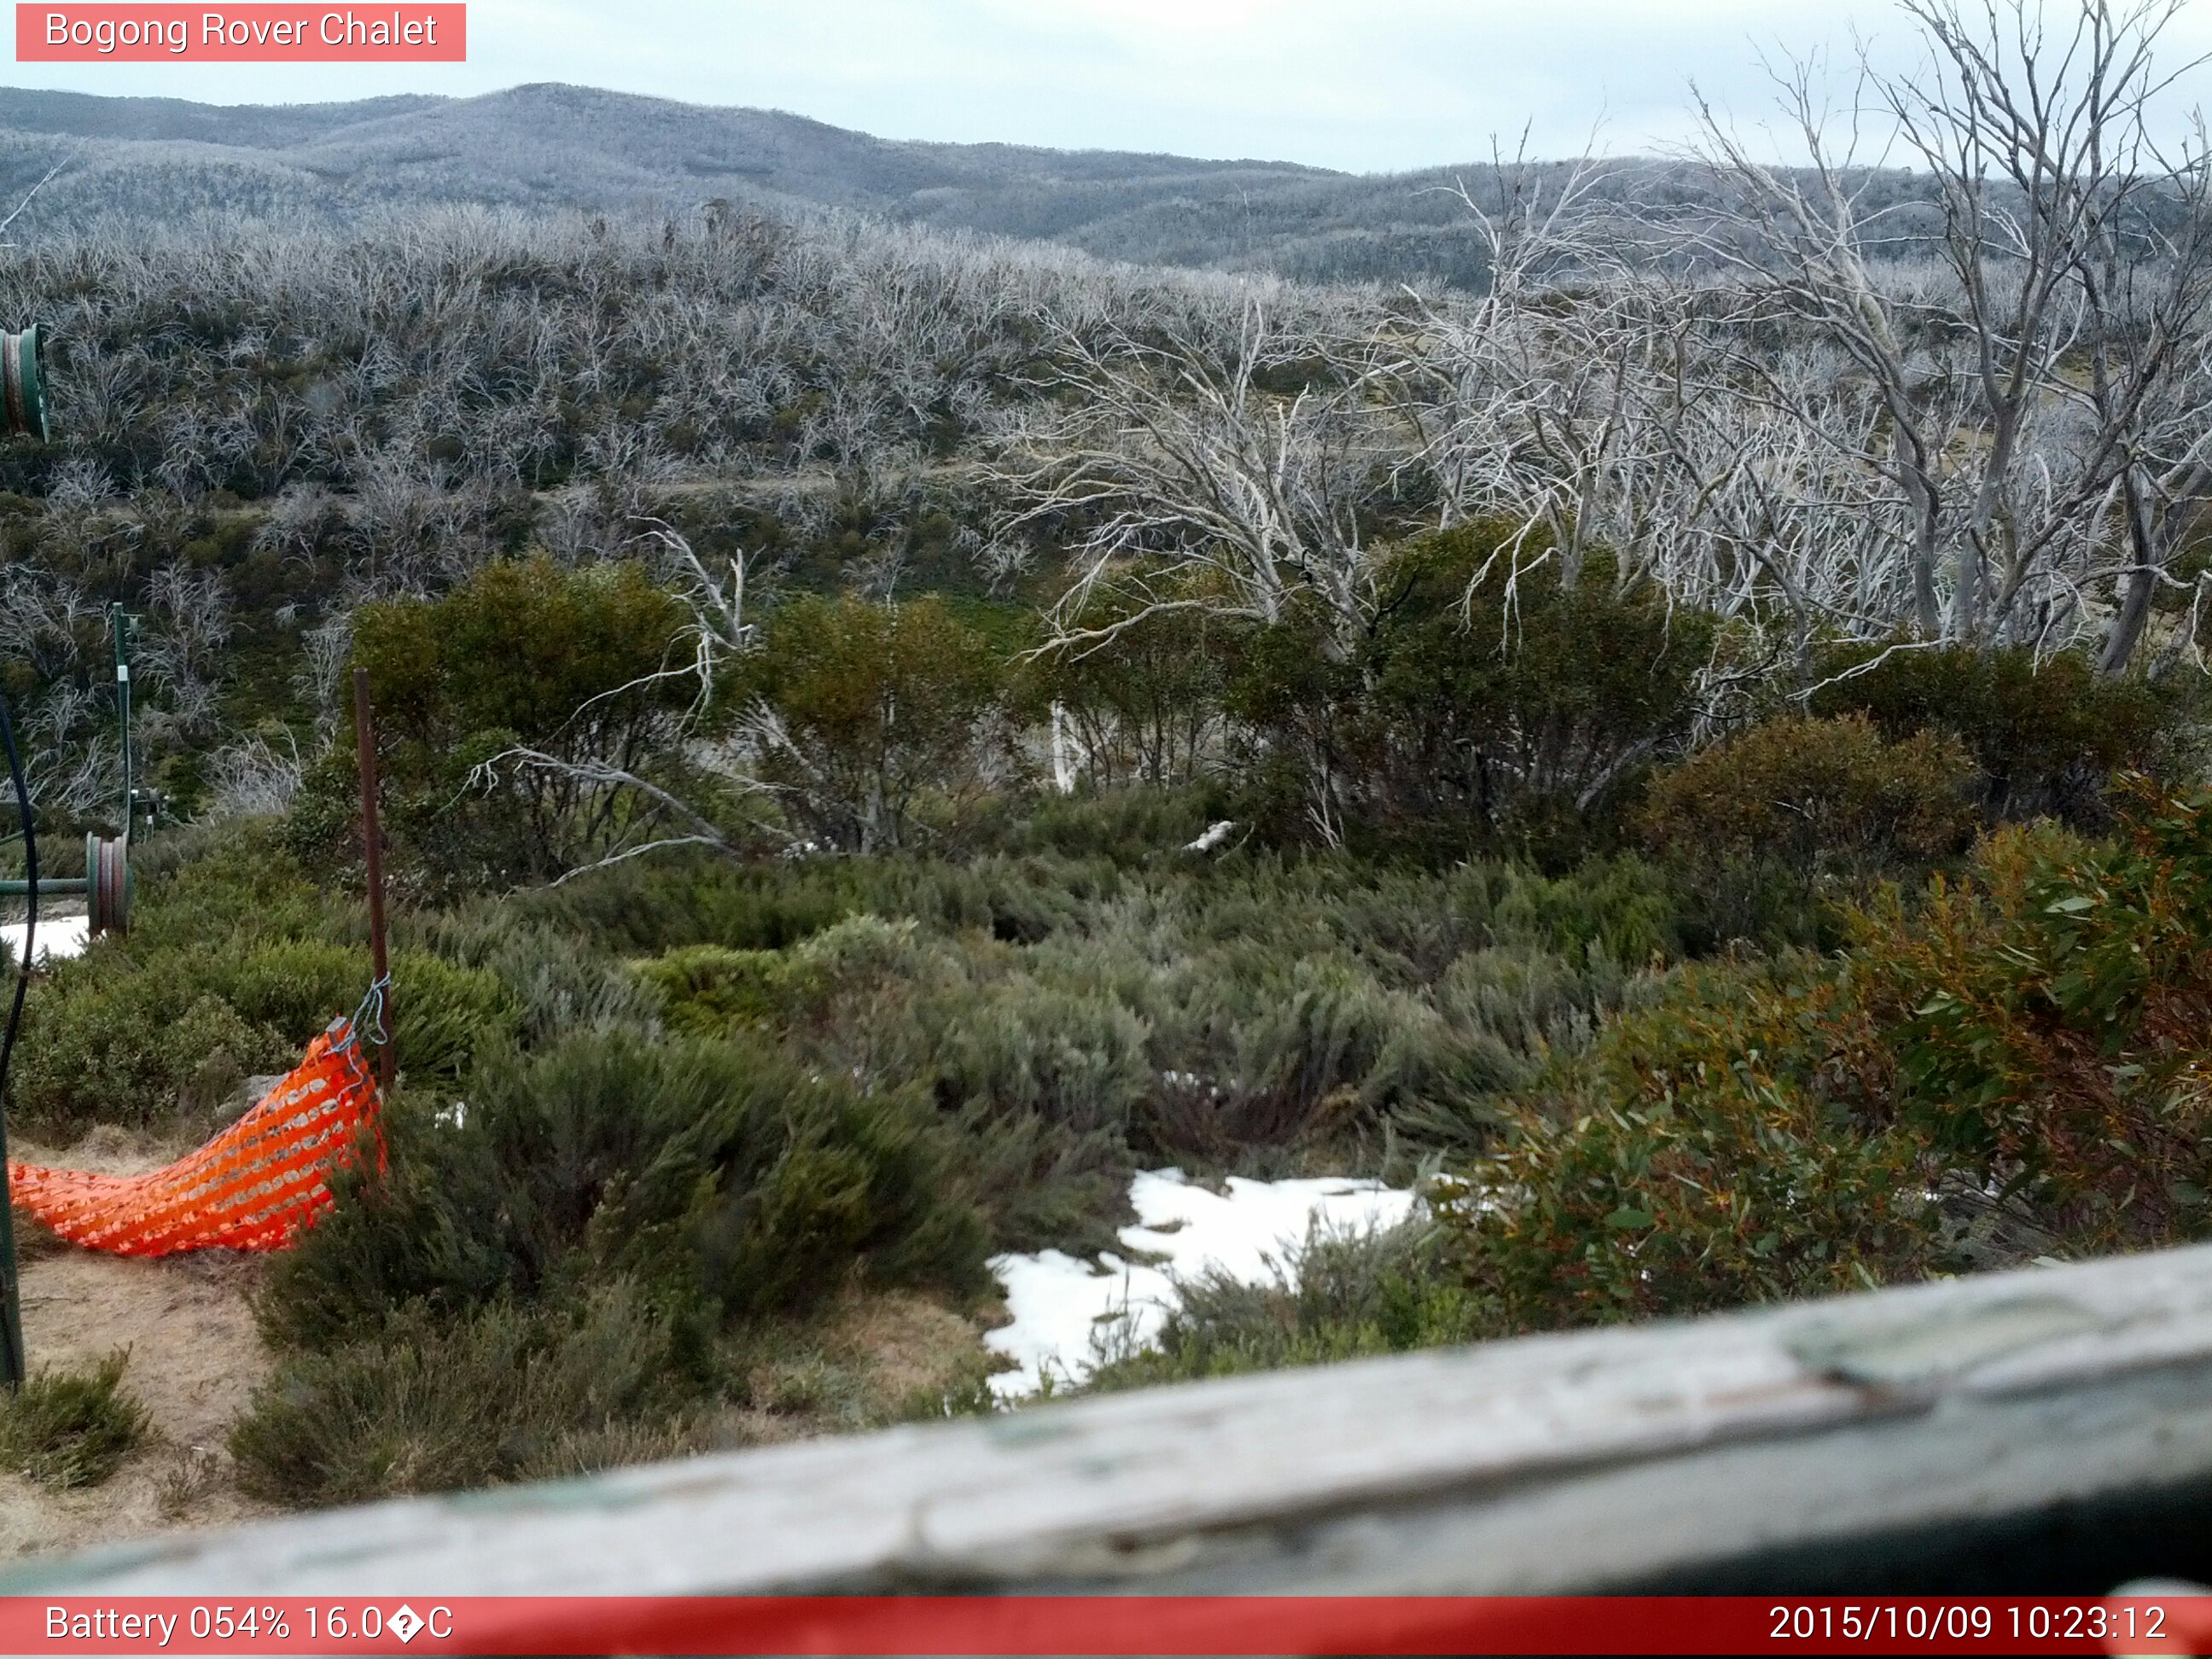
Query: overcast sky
[{"x": 1364, "y": 85}]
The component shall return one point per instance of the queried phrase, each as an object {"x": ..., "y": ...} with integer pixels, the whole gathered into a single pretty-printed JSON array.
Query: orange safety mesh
[{"x": 253, "y": 1186}]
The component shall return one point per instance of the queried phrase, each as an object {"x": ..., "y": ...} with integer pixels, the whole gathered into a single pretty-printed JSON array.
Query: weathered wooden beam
[{"x": 1685, "y": 1453}]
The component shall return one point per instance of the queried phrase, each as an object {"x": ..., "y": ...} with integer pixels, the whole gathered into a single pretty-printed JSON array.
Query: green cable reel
[{"x": 23, "y": 384}]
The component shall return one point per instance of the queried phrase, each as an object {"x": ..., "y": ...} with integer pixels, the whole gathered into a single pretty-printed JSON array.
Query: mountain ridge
[{"x": 151, "y": 161}]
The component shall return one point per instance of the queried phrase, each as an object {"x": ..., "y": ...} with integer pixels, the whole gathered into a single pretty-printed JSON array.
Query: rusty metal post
[{"x": 372, "y": 841}]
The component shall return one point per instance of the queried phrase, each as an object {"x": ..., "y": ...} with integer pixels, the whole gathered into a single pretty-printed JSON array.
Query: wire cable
[{"x": 11, "y": 1316}]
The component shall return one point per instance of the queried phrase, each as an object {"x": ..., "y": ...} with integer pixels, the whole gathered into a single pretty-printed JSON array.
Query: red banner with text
[{"x": 257, "y": 34}]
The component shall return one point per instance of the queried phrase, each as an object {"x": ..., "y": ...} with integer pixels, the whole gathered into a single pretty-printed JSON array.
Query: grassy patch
[
  {"x": 1339, "y": 1296},
  {"x": 723, "y": 1181},
  {"x": 504, "y": 1393},
  {"x": 68, "y": 1429}
]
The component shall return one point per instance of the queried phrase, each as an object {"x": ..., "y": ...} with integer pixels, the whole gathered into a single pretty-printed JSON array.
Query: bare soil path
[{"x": 196, "y": 1359}]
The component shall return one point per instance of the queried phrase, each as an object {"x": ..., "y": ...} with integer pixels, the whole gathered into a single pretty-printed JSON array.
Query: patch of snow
[
  {"x": 59, "y": 936},
  {"x": 1066, "y": 1311}
]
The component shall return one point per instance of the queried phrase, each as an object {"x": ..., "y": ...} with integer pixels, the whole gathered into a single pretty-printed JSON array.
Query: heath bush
[
  {"x": 1818, "y": 795},
  {"x": 72, "y": 1428},
  {"x": 1734, "y": 1143},
  {"x": 2047, "y": 733},
  {"x": 1336, "y": 1296},
  {"x": 1496, "y": 701},
  {"x": 726, "y": 1182},
  {"x": 498, "y": 1394},
  {"x": 860, "y": 709},
  {"x": 565, "y": 660}
]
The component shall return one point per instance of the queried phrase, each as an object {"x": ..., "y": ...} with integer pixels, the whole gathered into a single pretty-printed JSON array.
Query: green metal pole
[{"x": 121, "y": 624}]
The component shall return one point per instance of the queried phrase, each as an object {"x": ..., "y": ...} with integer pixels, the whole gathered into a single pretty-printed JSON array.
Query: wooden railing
[{"x": 2046, "y": 1430}]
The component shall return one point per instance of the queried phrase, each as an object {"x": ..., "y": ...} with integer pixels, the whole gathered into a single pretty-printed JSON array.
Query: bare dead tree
[
  {"x": 1236, "y": 481},
  {"x": 251, "y": 777},
  {"x": 2024, "y": 394},
  {"x": 51, "y": 174},
  {"x": 1520, "y": 400},
  {"x": 188, "y": 621}
]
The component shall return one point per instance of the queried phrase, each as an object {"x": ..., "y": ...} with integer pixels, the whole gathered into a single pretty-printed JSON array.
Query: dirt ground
[{"x": 195, "y": 1359}]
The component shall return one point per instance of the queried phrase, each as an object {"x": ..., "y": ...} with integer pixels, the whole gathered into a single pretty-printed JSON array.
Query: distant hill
[
  {"x": 267, "y": 126},
  {"x": 162, "y": 160},
  {"x": 149, "y": 161}
]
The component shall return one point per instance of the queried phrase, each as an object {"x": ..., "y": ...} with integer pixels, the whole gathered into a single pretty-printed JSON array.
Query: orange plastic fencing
[{"x": 255, "y": 1186}]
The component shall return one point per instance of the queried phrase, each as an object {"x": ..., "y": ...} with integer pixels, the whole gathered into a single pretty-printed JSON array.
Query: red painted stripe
[{"x": 1113, "y": 1625}]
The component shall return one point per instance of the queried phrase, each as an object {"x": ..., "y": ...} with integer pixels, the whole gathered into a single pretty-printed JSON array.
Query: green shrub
[
  {"x": 1731, "y": 1144},
  {"x": 564, "y": 660},
  {"x": 725, "y": 1182},
  {"x": 1996, "y": 1068},
  {"x": 872, "y": 706},
  {"x": 1338, "y": 1295},
  {"x": 1816, "y": 795},
  {"x": 517, "y": 647},
  {"x": 72, "y": 1428},
  {"x": 647, "y": 910},
  {"x": 557, "y": 980},
  {"x": 446, "y": 1017},
  {"x": 2048, "y": 1021},
  {"x": 1132, "y": 827},
  {"x": 1503, "y": 1016},
  {"x": 1143, "y": 707},
  {"x": 132, "y": 1048},
  {"x": 200, "y": 894},
  {"x": 645, "y": 907},
  {"x": 498, "y": 1394},
  {"x": 1041, "y": 1084},
  {"x": 232, "y": 963},
  {"x": 1231, "y": 1011},
  {"x": 295, "y": 986},
  {"x": 1018, "y": 1046},
  {"x": 1480, "y": 710},
  {"x": 1617, "y": 910},
  {"x": 1043, "y": 1185},
  {"x": 2047, "y": 733},
  {"x": 138, "y": 1038},
  {"x": 710, "y": 990},
  {"x": 1250, "y": 1014},
  {"x": 1038, "y": 1086},
  {"x": 1274, "y": 1053},
  {"x": 444, "y": 1014}
]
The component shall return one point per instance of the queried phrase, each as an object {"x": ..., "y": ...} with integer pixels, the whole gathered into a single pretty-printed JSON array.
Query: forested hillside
[{"x": 163, "y": 162}]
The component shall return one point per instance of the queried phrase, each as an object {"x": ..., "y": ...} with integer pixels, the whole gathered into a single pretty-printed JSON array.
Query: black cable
[
  {"x": 30, "y": 902},
  {"x": 12, "y": 1317}
]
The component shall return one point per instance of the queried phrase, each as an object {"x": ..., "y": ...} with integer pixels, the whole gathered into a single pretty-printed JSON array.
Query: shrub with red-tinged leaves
[
  {"x": 1728, "y": 1145},
  {"x": 2052, "y": 1019},
  {"x": 2028, "y": 1042}
]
